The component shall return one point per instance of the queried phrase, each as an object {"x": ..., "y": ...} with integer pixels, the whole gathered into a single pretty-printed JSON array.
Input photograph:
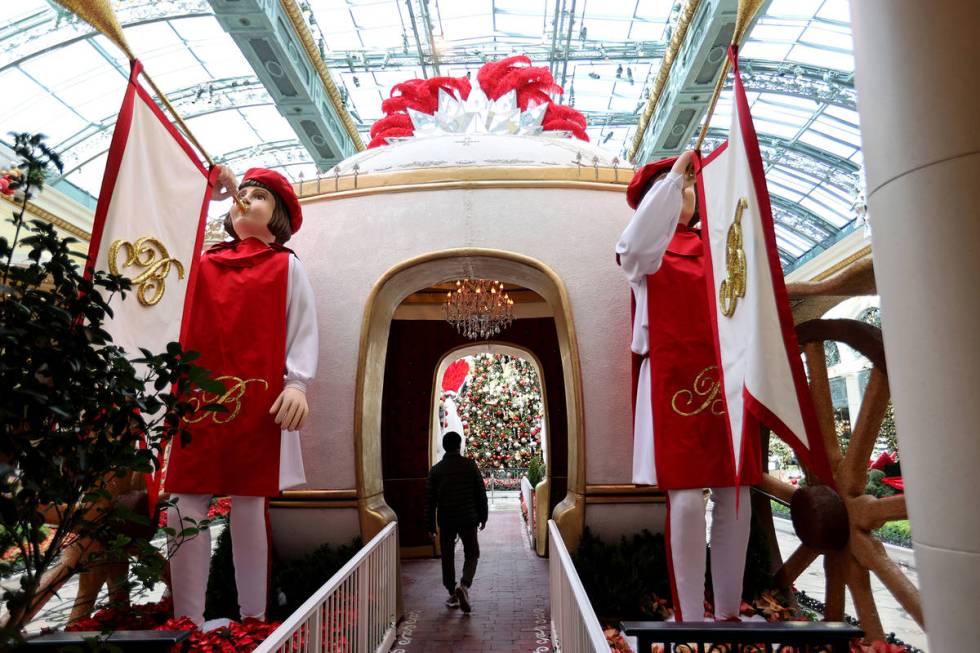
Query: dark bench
[
  {"x": 746, "y": 637},
  {"x": 126, "y": 641}
]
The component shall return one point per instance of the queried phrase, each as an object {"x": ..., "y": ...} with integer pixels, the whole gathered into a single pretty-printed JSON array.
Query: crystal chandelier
[{"x": 479, "y": 308}]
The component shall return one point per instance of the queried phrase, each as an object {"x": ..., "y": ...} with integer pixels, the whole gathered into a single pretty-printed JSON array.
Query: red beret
[
  {"x": 283, "y": 190},
  {"x": 641, "y": 180}
]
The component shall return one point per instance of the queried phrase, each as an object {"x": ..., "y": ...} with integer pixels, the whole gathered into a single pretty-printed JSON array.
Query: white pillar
[{"x": 919, "y": 102}]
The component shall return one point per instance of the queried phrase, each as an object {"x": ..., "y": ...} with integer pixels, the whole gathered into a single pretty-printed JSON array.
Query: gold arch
[{"x": 427, "y": 270}]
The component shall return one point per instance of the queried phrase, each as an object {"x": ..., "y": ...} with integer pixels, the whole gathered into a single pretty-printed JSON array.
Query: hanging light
[{"x": 479, "y": 308}]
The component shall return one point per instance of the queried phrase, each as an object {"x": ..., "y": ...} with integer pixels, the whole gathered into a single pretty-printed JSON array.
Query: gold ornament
[
  {"x": 733, "y": 287},
  {"x": 233, "y": 395},
  {"x": 142, "y": 255},
  {"x": 705, "y": 389}
]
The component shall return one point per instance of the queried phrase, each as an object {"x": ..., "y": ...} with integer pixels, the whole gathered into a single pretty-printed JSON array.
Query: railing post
[{"x": 362, "y": 608}]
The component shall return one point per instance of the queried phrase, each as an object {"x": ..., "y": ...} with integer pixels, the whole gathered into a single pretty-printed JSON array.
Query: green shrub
[
  {"x": 535, "y": 471},
  {"x": 292, "y": 583},
  {"x": 897, "y": 532},
  {"x": 622, "y": 579},
  {"x": 875, "y": 487}
]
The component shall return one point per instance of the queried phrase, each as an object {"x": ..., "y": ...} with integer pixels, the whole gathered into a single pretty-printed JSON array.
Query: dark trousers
[{"x": 471, "y": 552}]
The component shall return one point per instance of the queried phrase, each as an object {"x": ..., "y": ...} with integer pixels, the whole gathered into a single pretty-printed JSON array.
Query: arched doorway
[
  {"x": 555, "y": 458},
  {"x": 429, "y": 270}
]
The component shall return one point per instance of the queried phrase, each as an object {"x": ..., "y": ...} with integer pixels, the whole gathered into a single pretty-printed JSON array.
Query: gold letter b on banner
[{"x": 733, "y": 287}]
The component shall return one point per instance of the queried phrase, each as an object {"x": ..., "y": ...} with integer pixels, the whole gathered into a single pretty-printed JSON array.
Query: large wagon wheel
[{"x": 838, "y": 526}]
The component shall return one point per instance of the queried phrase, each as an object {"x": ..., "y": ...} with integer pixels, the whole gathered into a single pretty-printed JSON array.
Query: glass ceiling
[{"x": 58, "y": 77}]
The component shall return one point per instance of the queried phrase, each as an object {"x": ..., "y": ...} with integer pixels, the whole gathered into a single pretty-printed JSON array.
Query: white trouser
[
  {"x": 729, "y": 542},
  {"x": 190, "y": 562}
]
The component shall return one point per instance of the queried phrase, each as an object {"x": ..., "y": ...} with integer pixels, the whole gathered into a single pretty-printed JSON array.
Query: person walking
[{"x": 454, "y": 491}]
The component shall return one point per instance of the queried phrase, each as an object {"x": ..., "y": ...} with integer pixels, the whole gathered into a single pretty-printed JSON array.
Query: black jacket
[{"x": 455, "y": 488}]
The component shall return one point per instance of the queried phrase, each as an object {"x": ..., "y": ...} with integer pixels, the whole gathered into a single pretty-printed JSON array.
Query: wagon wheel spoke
[
  {"x": 868, "y": 513},
  {"x": 890, "y": 508},
  {"x": 871, "y": 554},
  {"x": 795, "y": 565},
  {"x": 859, "y": 583},
  {"x": 833, "y": 566},
  {"x": 824, "y": 405},
  {"x": 854, "y": 472},
  {"x": 779, "y": 490}
]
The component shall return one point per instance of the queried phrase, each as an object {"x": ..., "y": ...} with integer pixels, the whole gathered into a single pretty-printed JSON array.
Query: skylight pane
[
  {"x": 830, "y": 38},
  {"x": 819, "y": 57},
  {"x": 89, "y": 176},
  {"x": 34, "y": 109},
  {"x": 812, "y": 137},
  {"x": 794, "y": 8},
  {"x": 268, "y": 122},
  {"x": 642, "y": 30},
  {"x": 776, "y": 188},
  {"x": 81, "y": 78},
  {"x": 223, "y": 131},
  {"x": 837, "y": 10},
  {"x": 764, "y": 50},
  {"x": 785, "y": 32}
]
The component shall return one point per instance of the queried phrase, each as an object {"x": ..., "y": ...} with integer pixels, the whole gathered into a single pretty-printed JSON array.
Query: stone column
[{"x": 919, "y": 101}]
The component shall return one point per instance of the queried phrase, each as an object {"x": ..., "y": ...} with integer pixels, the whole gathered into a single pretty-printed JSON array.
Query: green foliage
[
  {"x": 293, "y": 581},
  {"x": 536, "y": 471},
  {"x": 75, "y": 407},
  {"x": 779, "y": 509},
  {"x": 623, "y": 578},
  {"x": 875, "y": 487},
  {"x": 896, "y": 532}
]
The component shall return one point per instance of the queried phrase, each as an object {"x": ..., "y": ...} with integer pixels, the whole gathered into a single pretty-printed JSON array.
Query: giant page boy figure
[
  {"x": 680, "y": 441},
  {"x": 254, "y": 322}
]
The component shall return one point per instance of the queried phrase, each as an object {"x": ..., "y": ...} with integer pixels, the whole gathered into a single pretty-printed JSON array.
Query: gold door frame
[{"x": 427, "y": 270}]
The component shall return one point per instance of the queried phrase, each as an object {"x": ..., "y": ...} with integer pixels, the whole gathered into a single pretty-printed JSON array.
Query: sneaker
[
  {"x": 452, "y": 601},
  {"x": 463, "y": 595}
]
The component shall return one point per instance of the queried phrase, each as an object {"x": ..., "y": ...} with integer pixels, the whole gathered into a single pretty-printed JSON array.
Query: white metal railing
[
  {"x": 353, "y": 612},
  {"x": 574, "y": 625}
]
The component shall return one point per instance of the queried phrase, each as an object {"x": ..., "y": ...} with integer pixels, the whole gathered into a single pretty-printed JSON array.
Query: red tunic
[
  {"x": 691, "y": 443},
  {"x": 238, "y": 324}
]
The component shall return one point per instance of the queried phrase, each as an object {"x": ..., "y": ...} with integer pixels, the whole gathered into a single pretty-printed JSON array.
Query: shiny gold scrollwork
[
  {"x": 733, "y": 287},
  {"x": 231, "y": 398},
  {"x": 704, "y": 390},
  {"x": 143, "y": 254}
]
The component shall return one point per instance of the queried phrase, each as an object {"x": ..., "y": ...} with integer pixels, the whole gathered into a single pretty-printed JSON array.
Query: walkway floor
[{"x": 509, "y": 597}]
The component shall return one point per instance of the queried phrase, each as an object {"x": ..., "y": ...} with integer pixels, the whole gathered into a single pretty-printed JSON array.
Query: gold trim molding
[
  {"x": 303, "y": 31},
  {"x": 47, "y": 216},
  {"x": 305, "y": 499},
  {"x": 329, "y": 188},
  {"x": 843, "y": 263}
]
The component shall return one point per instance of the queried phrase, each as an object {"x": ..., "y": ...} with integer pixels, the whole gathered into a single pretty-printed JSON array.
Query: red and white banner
[
  {"x": 149, "y": 222},
  {"x": 149, "y": 227},
  {"x": 762, "y": 373}
]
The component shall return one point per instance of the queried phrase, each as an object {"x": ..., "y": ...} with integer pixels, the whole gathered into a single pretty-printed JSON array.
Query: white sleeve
[
  {"x": 302, "y": 340},
  {"x": 643, "y": 243}
]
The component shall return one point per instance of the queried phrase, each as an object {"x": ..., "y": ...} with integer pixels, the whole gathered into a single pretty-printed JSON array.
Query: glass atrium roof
[{"x": 57, "y": 77}]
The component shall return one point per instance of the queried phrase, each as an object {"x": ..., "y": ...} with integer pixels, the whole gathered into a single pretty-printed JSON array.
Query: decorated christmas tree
[{"x": 501, "y": 409}]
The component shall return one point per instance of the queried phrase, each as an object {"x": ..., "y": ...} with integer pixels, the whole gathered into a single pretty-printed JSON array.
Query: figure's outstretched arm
[{"x": 642, "y": 245}]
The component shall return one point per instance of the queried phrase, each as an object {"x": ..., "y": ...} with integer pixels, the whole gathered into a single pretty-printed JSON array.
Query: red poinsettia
[{"x": 531, "y": 85}]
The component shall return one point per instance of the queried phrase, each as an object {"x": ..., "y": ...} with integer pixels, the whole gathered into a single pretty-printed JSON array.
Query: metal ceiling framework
[{"x": 556, "y": 35}]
